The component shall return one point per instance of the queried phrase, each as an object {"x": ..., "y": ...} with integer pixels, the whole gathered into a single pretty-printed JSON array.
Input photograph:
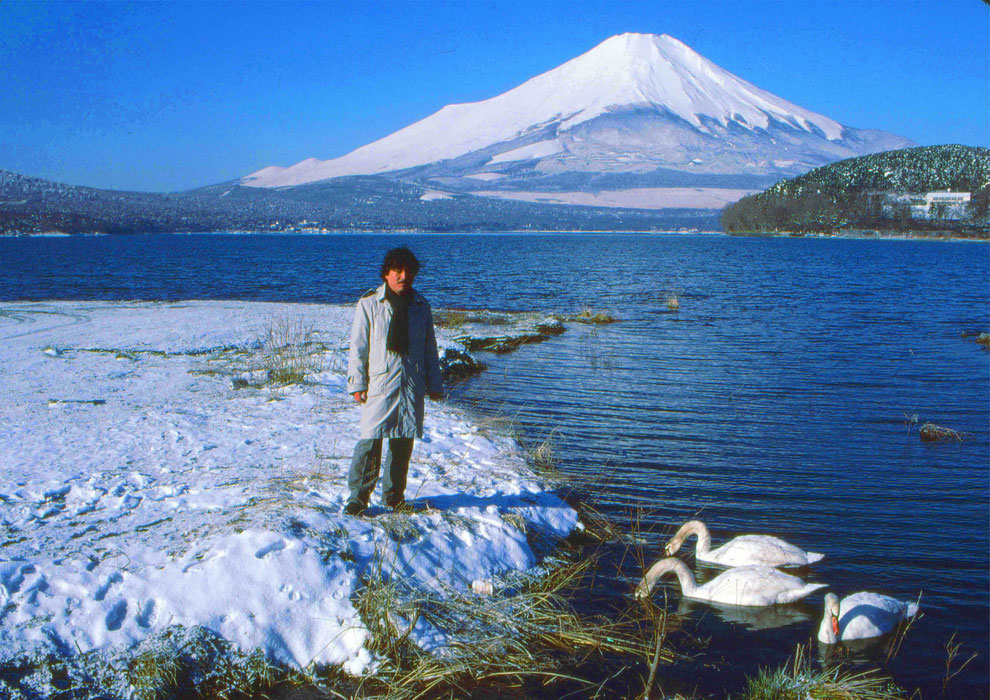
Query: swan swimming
[
  {"x": 745, "y": 550},
  {"x": 743, "y": 585},
  {"x": 861, "y": 616}
]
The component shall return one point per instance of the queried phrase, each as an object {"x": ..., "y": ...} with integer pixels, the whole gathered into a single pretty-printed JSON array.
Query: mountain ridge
[{"x": 30, "y": 205}]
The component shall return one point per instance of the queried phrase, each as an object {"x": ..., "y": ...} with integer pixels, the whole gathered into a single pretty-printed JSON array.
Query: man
[{"x": 393, "y": 363}]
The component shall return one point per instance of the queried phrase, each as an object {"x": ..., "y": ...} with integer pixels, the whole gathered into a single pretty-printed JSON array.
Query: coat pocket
[{"x": 377, "y": 383}]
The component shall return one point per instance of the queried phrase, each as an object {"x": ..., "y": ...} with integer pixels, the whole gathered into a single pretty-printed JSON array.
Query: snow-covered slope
[
  {"x": 634, "y": 103},
  {"x": 141, "y": 491}
]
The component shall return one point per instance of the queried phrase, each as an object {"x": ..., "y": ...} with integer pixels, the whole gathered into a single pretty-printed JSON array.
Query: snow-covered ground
[
  {"x": 637, "y": 198},
  {"x": 140, "y": 488}
]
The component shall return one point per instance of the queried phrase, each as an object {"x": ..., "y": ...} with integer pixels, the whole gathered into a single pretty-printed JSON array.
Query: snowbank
[{"x": 151, "y": 476}]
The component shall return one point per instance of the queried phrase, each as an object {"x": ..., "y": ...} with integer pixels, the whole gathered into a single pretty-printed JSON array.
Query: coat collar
[{"x": 380, "y": 295}]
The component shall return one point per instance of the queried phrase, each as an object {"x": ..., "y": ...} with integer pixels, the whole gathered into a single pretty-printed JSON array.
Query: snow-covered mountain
[{"x": 637, "y": 111}]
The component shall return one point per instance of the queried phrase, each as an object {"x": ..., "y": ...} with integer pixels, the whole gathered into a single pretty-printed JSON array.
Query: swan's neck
[
  {"x": 665, "y": 566},
  {"x": 698, "y": 528},
  {"x": 684, "y": 575},
  {"x": 825, "y": 632}
]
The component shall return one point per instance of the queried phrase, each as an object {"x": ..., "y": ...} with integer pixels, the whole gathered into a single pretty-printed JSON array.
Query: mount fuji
[{"x": 640, "y": 120}]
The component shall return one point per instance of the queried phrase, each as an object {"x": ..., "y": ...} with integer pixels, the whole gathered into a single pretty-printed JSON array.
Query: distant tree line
[
  {"x": 31, "y": 205},
  {"x": 829, "y": 213}
]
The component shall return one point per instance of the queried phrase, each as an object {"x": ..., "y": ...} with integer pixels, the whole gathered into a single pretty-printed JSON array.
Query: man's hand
[
  {"x": 360, "y": 396},
  {"x": 435, "y": 395}
]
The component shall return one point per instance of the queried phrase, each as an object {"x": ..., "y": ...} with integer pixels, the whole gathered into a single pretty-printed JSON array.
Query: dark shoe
[
  {"x": 400, "y": 506},
  {"x": 354, "y": 508},
  {"x": 405, "y": 507}
]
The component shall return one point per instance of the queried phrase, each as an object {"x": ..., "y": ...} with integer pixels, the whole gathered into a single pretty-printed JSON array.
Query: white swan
[
  {"x": 861, "y": 616},
  {"x": 745, "y": 550},
  {"x": 743, "y": 585}
]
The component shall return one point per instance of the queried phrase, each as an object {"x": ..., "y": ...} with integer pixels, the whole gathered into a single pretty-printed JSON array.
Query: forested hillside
[{"x": 883, "y": 192}]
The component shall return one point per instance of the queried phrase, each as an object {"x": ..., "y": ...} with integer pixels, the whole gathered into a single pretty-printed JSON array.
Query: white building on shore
[{"x": 943, "y": 205}]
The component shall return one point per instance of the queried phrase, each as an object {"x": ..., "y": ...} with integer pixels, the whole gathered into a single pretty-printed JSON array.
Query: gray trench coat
[{"x": 396, "y": 384}]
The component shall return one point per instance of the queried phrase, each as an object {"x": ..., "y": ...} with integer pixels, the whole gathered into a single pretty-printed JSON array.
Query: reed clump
[
  {"x": 930, "y": 432},
  {"x": 587, "y": 315},
  {"x": 544, "y": 456},
  {"x": 981, "y": 339},
  {"x": 449, "y": 318},
  {"x": 796, "y": 680},
  {"x": 517, "y": 631},
  {"x": 500, "y": 345},
  {"x": 455, "y": 318},
  {"x": 289, "y": 352}
]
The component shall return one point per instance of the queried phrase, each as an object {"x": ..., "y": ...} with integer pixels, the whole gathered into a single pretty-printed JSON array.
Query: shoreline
[
  {"x": 866, "y": 234},
  {"x": 157, "y": 477}
]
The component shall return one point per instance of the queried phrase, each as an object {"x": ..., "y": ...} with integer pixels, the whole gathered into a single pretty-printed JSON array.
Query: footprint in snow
[
  {"x": 13, "y": 578},
  {"x": 57, "y": 494},
  {"x": 276, "y": 546},
  {"x": 37, "y": 588},
  {"x": 116, "y": 616},
  {"x": 149, "y": 614},
  {"x": 109, "y": 583}
]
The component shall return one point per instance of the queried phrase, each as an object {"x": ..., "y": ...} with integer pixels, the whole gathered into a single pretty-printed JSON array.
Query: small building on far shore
[{"x": 940, "y": 205}]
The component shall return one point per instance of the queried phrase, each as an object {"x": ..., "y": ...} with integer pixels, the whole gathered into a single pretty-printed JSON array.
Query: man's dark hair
[{"x": 399, "y": 259}]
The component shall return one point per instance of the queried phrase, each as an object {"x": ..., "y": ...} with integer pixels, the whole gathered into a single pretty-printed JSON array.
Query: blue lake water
[{"x": 780, "y": 398}]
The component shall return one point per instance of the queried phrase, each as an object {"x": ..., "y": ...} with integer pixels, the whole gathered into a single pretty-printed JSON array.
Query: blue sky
[{"x": 171, "y": 96}]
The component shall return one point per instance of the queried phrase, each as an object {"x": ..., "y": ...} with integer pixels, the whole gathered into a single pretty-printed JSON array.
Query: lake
[{"x": 784, "y": 397}]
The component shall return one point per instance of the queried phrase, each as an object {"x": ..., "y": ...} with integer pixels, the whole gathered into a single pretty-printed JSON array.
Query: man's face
[{"x": 399, "y": 280}]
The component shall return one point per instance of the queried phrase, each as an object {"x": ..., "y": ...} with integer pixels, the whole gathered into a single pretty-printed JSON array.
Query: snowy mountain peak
[
  {"x": 628, "y": 74},
  {"x": 646, "y": 70}
]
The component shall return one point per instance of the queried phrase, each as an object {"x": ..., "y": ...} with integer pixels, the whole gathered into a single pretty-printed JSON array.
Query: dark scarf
[{"x": 398, "y": 330}]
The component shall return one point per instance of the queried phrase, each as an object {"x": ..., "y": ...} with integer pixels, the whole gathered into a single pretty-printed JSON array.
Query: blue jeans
[{"x": 366, "y": 466}]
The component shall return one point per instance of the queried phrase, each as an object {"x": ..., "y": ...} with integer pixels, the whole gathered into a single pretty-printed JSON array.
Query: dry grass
[
  {"x": 193, "y": 664},
  {"x": 952, "y": 648},
  {"x": 286, "y": 352},
  {"x": 153, "y": 674},
  {"x": 544, "y": 456},
  {"x": 500, "y": 345},
  {"x": 930, "y": 432},
  {"x": 523, "y": 632},
  {"x": 289, "y": 352},
  {"x": 798, "y": 681},
  {"x": 981, "y": 339},
  {"x": 449, "y": 318},
  {"x": 455, "y": 318},
  {"x": 587, "y": 315}
]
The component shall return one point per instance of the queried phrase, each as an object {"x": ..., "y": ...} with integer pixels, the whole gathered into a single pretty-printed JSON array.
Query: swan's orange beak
[{"x": 835, "y": 625}]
